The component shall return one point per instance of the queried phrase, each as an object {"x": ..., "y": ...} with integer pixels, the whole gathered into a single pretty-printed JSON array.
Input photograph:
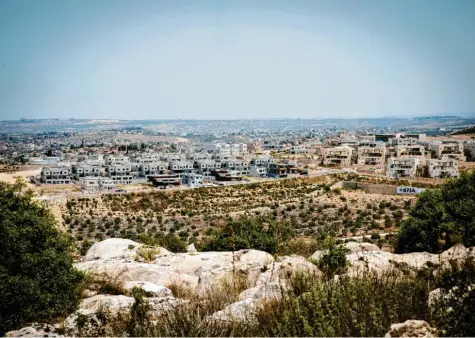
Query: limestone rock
[
  {"x": 412, "y": 328},
  {"x": 112, "y": 248},
  {"x": 381, "y": 261},
  {"x": 86, "y": 323},
  {"x": 160, "y": 305},
  {"x": 457, "y": 255},
  {"x": 191, "y": 249},
  {"x": 363, "y": 246},
  {"x": 239, "y": 312},
  {"x": 354, "y": 247},
  {"x": 35, "y": 330},
  {"x": 152, "y": 289},
  {"x": 110, "y": 303},
  {"x": 135, "y": 271}
]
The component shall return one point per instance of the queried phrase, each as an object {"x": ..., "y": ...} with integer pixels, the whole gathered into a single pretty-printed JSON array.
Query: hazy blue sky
[{"x": 229, "y": 59}]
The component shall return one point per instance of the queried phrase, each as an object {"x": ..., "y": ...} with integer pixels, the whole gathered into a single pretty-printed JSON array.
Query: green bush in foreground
[
  {"x": 259, "y": 233},
  {"x": 37, "y": 279},
  {"x": 441, "y": 218}
]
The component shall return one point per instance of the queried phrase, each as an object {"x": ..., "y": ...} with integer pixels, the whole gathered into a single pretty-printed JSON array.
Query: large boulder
[
  {"x": 412, "y": 328},
  {"x": 382, "y": 261},
  {"x": 135, "y": 271},
  {"x": 456, "y": 256},
  {"x": 238, "y": 312},
  {"x": 113, "y": 248},
  {"x": 361, "y": 247}
]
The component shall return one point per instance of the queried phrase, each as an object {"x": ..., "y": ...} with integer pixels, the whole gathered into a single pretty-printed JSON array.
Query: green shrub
[
  {"x": 441, "y": 218},
  {"x": 260, "y": 233},
  {"x": 37, "y": 277},
  {"x": 333, "y": 261},
  {"x": 348, "y": 307}
]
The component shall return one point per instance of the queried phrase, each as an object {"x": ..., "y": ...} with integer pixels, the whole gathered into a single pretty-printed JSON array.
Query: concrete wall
[{"x": 371, "y": 188}]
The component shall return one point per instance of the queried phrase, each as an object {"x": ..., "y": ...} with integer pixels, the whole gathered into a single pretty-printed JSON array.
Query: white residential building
[
  {"x": 443, "y": 168},
  {"x": 83, "y": 170},
  {"x": 56, "y": 175},
  {"x": 119, "y": 169},
  {"x": 152, "y": 168},
  {"x": 242, "y": 166},
  {"x": 147, "y": 158},
  {"x": 402, "y": 167},
  {"x": 263, "y": 161},
  {"x": 52, "y": 160}
]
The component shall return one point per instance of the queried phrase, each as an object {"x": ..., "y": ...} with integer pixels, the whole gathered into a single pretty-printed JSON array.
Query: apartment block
[
  {"x": 402, "y": 167},
  {"x": 147, "y": 158},
  {"x": 153, "y": 168},
  {"x": 83, "y": 170},
  {"x": 242, "y": 166},
  {"x": 411, "y": 151},
  {"x": 283, "y": 169},
  {"x": 448, "y": 150},
  {"x": 372, "y": 155},
  {"x": 56, "y": 175},
  {"x": 337, "y": 156},
  {"x": 442, "y": 168},
  {"x": 262, "y": 161},
  {"x": 273, "y": 145},
  {"x": 119, "y": 169}
]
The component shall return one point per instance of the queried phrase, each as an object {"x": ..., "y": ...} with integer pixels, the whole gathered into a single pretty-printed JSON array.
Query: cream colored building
[
  {"x": 443, "y": 168},
  {"x": 337, "y": 156},
  {"x": 372, "y": 155}
]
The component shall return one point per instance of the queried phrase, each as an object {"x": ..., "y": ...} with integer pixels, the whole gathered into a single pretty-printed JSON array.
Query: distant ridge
[{"x": 469, "y": 130}]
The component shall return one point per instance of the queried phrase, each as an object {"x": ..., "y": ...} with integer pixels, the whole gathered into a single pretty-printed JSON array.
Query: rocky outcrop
[
  {"x": 271, "y": 284},
  {"x": 95, "y": 312},
  {"x": 412, "y": 328},
  {"x": 193, "y": 270},
  {"x": 367, "y": 256}
]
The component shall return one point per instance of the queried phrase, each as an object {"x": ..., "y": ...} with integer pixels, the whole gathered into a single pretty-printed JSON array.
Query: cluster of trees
[
  {"x": 441, "y": 218},
  {"x": 37, "y": 278}
]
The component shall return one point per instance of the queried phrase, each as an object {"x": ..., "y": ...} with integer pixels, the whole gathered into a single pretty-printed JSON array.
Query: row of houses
[
  {"x": 121, "y": 170},
  {"x": 402, "y": 156}
]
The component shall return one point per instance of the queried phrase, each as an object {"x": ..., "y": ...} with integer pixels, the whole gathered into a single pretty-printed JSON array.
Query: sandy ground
[{"x": 11, "y": 178}]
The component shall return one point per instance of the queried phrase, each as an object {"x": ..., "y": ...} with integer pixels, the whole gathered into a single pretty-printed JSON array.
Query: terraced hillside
[{"x": 307, "y": 204}]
